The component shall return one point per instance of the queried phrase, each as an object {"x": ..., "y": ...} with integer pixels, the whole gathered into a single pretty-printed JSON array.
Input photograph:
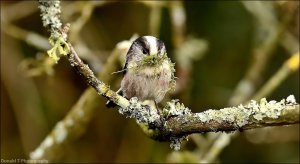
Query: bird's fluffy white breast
[{"x": 148, "y": 83}]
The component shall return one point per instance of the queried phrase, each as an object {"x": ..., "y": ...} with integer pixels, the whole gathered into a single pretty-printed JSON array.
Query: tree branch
[{"x": 227, "y": 119}]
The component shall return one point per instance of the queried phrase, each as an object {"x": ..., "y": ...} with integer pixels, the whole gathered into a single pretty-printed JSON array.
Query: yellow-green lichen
[
  {"x": 152, "y": 133},
  {"x": 110, "y": 94},
  {"x": 103, "y": 88},
  {"x": 153, "y": 60},
  {"x": 59, "y": 48}
]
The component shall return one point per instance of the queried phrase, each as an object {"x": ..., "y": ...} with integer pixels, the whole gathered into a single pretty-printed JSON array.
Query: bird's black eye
[{"x": 145, "y": 51}]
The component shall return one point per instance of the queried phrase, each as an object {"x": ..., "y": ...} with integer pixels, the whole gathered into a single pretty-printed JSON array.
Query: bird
[{"x": 148, "y": 71}]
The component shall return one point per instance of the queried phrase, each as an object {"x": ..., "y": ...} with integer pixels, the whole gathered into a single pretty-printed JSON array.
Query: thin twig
[{"x": 291, "y": 65}]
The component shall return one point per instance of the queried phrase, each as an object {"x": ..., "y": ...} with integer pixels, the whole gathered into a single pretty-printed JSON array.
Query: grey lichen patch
[
  {"x": 50, "y": 13},
  {"x": 145, "y": 116},
  {"x": 176, "y": 142},
  {"x": 290, "y": 100},
  {"x": 235, "y": 115},
  {"x": 266, "y": 109},
  {"x": 242, "y": 115},
  {"x": 142, "y": 114},
  {"x": 175, "y": 108},
  {"x": 271, "y": 109}
]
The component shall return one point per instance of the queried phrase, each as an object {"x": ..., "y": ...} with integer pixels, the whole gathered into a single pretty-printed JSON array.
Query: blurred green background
[{"x": 230, "y": 33}]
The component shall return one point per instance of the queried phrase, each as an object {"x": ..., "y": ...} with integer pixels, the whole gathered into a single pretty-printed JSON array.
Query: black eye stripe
[
  {"x": 160, "y": 45},
  {"x": 143, "y": 44}
]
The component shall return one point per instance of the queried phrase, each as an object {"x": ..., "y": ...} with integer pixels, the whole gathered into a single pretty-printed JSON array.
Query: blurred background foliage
[{"x": 227, "y": 35}]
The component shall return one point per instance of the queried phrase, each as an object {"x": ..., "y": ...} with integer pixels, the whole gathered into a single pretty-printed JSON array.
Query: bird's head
[{"x": 147, "y": 50}]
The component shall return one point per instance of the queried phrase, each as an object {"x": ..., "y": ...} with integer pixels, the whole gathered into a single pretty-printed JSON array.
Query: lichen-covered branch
[
  {"x": 243, "y": 117},
  {"x": 251, "y": 116},
  {"x": 176, "y": 120},
  {"x": 50, "y": 14}
]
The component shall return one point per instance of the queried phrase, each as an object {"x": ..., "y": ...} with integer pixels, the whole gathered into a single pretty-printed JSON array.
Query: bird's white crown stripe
[{"x": 152, "y": 44}]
